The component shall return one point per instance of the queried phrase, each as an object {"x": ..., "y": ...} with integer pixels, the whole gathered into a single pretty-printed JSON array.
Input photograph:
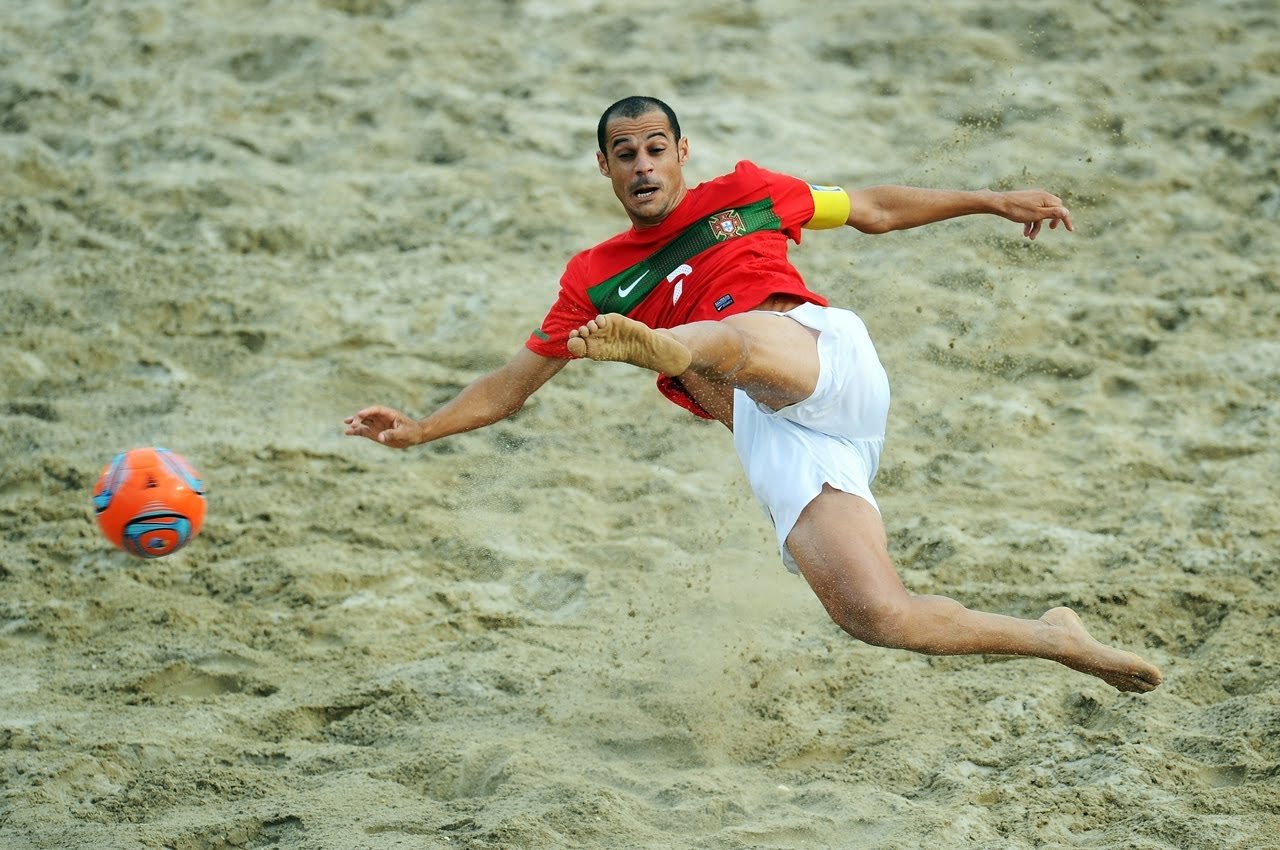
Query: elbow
[
  {"x": 871, "y": 221},
  {"x": 873, "y": 227},
  {"x": 512, "y": 407}
]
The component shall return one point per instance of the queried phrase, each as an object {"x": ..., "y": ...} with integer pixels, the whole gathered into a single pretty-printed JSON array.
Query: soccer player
[{"x": 699, "y": 290}]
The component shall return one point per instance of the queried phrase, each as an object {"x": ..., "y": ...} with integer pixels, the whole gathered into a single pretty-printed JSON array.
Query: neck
[{"x": 645, "y": 224}]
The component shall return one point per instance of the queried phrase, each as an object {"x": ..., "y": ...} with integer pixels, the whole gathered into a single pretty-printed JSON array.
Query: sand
[{"x": 224, "y": 226}]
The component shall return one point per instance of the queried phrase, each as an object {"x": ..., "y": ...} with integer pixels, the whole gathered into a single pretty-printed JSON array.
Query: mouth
[{"x": 644, "y": 191}]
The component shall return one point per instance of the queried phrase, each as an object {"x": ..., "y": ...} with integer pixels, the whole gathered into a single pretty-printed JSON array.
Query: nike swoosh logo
[{"x": 624, "y": 291}]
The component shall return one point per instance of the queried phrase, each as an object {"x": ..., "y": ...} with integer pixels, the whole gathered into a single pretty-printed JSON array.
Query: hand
[
  {"x": 1032, "y": 208},
  {"x": 386, "y": 426}
]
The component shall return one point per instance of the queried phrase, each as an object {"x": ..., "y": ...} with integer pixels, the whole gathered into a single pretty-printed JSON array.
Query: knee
[
  {"x": 879, "y": 622},
  {"x": 720, "y": 350}
]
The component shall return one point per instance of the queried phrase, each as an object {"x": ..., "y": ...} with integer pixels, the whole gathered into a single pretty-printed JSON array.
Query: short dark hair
[{"x": 634, "y": 107}]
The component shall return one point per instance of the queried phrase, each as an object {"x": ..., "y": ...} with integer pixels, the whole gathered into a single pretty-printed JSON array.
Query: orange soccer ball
[{"x": 150, "y": 502}]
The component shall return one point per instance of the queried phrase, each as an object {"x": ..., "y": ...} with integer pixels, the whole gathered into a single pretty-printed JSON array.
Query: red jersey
[{"x": 722, "y": 251}]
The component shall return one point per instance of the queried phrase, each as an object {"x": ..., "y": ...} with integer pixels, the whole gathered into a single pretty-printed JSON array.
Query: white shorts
[{"x": 833, "y": 437}]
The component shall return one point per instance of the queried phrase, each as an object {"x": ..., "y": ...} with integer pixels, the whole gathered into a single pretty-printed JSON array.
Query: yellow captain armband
[{"x": 830, "y": 207}]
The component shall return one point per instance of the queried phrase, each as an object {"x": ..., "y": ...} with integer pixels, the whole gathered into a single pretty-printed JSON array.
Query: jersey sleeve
[
  {"x": 791, "y": 199},
  {"x": 566, "y": 314},
  {"x": 805, "y": 205}
]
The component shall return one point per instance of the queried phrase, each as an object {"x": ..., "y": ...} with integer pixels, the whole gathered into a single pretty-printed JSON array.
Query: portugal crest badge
[{"x": 726, "y": 225}]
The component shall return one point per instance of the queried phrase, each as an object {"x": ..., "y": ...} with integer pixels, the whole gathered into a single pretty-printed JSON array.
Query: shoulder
[
  {"x": 582, "y": 265},
  {"x": 790, "y": 198},
  {"x": 747, "y": 183},
  {"x": 748, "y": 177},
  {"x": 745, "y": 172},
  {"x": 609, "y": 247}
]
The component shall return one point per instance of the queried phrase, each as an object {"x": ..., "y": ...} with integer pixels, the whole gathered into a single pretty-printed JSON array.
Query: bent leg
[
  {"x": 840, "y": 546},
  {"x": 772, "y": 358}
]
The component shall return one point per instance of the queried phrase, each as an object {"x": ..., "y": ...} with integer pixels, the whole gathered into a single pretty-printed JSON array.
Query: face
[{"x": 644, "y": 163}]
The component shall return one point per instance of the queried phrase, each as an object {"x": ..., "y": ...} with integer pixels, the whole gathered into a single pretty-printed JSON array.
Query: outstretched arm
[
  {"x": 486, "y": 400},
  {"x": 880, "y": 209}
]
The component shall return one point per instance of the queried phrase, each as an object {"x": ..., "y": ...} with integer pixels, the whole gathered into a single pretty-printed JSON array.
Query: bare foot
[
  {"x": 615, "y": 337},
  {"x": 1081, "y": 651}
]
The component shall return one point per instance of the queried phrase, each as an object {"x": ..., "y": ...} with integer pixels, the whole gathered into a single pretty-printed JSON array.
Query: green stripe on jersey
[{"x": 623, "y": 292}]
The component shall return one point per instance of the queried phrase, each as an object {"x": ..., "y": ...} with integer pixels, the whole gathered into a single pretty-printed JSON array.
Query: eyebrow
[{"x": 624, "y": 139}]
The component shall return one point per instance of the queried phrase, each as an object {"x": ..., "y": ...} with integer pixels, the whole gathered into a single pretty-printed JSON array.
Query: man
[{"x": 699, "y": 290}]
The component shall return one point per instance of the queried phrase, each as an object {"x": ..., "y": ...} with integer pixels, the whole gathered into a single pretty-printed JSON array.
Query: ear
[
  {"x": 603, "y": 162},
  {"x": 682, "y": 148}
]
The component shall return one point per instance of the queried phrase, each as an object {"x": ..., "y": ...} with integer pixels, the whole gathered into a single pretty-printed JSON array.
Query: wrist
[
  {"x": 419, "y": 433},
  {"x": 991, "y": 201}
]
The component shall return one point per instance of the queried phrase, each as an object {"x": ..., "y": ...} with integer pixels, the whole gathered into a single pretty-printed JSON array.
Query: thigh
[
  {"x": 781, "y": 366},
  {"x": 840, "y": 546}
]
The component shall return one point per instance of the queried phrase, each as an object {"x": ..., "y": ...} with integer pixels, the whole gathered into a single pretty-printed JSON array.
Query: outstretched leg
[
  {"x": 839, "y": 540},
  {"x": 839, "y": 544}
]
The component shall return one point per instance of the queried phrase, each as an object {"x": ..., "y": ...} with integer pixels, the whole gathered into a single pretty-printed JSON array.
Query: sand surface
[{"x": 226, "y": 225}]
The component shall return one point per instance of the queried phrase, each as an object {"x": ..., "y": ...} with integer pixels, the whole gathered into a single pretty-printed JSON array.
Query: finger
[
  {"x": 1035, "y": 229},
  {"x": 1066, "y": 220}
]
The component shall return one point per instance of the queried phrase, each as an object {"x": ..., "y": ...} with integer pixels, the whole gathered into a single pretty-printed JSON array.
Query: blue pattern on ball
[
  {"x": 176, "y": 465},
  {"x": 115, "y": 477},
  {"x": 139, "y": 527}
]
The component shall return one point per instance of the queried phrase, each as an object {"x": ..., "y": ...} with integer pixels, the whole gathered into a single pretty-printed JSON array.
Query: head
[{"x": 643, "y": 154}]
